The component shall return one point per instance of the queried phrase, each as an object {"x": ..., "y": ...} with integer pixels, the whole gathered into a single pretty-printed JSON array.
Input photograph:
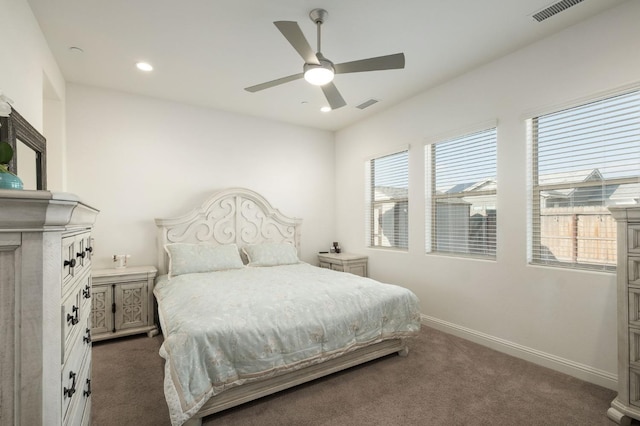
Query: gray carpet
[{"x": 445, "y": 380}]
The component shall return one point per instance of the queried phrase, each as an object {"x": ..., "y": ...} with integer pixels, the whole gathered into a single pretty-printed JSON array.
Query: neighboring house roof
[
  {"x": 568, "y": 177},
  {"x": 481, "y": 185},
  {"x": 390, "y": 193},
  {"x": 615, "y": 194}
]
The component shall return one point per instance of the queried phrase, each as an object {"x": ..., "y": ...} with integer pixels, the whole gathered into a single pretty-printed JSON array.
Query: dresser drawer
[
  {"x": 85, "y": 250},
  {"x": 634, "y": 387},
  {"x": 634, "y": 347},
  {"x": 633, "y": 270},
  {"x": 73, "y": 378},
  {"x": 80, "y": 409},
  {"x": 76, "y": 387},
  {"x": 68, "y": 260},
  {"x": 76, "y": 258},
  {"x": 633, "y": 238},
  {"x": 75, "y": 314},
  {"x": 634, "y": 307}
]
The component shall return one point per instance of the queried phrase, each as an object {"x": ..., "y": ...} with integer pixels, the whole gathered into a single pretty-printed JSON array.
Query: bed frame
[{"x": 242, "y": 216}]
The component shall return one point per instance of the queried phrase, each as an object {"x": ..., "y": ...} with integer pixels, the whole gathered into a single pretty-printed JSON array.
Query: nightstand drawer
[{"x": 345, "y": 262}]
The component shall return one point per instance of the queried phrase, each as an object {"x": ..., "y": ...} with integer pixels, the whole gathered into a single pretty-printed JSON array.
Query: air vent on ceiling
[
  {"x": 554, "y": 8},
  {"x": 367, "y": 104}
]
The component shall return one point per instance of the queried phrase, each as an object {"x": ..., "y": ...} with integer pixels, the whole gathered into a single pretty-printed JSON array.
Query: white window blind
[
  {"x": 461, "y": 195},
  {"x": 387, "y": 201},
  {"x": 584, "y": 159}
]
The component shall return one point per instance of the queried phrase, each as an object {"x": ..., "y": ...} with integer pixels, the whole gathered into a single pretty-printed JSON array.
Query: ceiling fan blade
[
  {"x": 333, "y": 96},
  {"x": 273, "y": 83},
  {"x": 388, "y": 62},
  {"x": 292, "y": 32}
]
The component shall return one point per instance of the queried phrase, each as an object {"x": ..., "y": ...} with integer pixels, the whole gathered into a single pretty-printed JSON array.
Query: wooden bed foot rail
[{"x": 251, "y": 391}]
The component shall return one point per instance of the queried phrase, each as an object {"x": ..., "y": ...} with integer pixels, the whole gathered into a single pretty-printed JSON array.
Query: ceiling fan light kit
[
  {"x": 319, "y": 70},
  {"x": 318, "y": 75}
]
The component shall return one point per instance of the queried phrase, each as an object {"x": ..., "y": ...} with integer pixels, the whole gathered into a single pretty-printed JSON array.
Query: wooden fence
[{"x": 579, "y": 234}]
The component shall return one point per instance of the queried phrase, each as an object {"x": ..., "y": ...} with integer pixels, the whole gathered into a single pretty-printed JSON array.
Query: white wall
[
  {"x": 137, "y": 158},
  {"x": 561, "y": 318},
  {"x": 26, "y": 66}
]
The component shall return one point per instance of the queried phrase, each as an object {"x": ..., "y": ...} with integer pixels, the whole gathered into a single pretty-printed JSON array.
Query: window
[
  {"x": 461, "y": 195},
  {"x": 583, "y": 159},
  {"x": 387, "y": 201}
]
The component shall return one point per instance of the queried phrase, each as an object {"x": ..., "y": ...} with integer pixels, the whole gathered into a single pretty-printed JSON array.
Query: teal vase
[{"x": 10, "y": 181}]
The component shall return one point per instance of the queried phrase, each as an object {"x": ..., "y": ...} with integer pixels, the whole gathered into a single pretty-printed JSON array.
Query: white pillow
[
  {"x": 193, "y": 258},
  {"x": 271, "y": 254}
]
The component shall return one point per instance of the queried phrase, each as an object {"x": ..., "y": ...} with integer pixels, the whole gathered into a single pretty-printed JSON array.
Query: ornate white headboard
[{"x": 235, "y": 215}]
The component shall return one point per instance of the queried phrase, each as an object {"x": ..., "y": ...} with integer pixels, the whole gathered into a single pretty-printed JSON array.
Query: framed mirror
[{"x": 29, "y": 150}]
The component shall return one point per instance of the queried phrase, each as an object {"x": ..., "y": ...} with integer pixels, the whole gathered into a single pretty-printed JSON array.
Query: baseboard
[{"x": 563, "y": 365}]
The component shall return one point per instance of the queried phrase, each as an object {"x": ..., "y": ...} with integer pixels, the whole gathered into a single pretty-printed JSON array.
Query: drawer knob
[
  {"x": 73, "y": 318},
  {"x": 69, "y": 392},
  {"x": 86, "y": 292},
  {"x": 71, "y": 263},
  {"x": 89, "y": 249},
  {"x": 81, "y": 254}
]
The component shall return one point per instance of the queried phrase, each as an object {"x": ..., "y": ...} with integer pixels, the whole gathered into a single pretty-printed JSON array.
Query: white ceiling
[{"x": 206, "y": 52}]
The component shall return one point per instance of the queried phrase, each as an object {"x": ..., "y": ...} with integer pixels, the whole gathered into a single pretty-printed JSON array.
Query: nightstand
[
  {"x": 345, "y": 262},
  {"x": 122, "y": 302}
]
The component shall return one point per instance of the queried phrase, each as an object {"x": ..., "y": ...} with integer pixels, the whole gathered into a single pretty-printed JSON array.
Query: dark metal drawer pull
[
  {"x": 71, "y": 263},
  {"x": 88, "y": 391},
  {"x": 71, "y": 318},
  {"x": 87, "y": 338},
  {"x": 69, "y": 392}
]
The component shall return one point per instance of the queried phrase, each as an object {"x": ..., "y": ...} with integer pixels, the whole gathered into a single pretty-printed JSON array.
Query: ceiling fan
[{"x": 319, "y": 70}]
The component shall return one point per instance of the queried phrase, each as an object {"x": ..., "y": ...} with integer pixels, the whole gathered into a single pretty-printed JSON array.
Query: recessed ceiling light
[
  {"x": 144, "y": 66},
  {"x": 325, "y": 109}
]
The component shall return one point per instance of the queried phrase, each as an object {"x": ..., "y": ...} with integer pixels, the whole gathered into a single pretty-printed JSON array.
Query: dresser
[
  {"x": 45, "y": 297},
  {"x": 627, "y": 403},
  {"x": 122, "y": 302},
  {"x": 345, "y": 262}
]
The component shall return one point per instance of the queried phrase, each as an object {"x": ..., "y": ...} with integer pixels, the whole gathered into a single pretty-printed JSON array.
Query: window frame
[
  {"x": 432, "y": 197},
  {"x": 535, "y": 189},
  {"x": 372, "y": 205}
]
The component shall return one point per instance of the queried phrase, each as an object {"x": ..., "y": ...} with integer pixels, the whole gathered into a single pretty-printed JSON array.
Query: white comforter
[{"x": 225, "y": 328}]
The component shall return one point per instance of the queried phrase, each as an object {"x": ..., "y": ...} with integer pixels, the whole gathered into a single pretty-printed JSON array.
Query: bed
[{"x": 243, "y": 317}]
